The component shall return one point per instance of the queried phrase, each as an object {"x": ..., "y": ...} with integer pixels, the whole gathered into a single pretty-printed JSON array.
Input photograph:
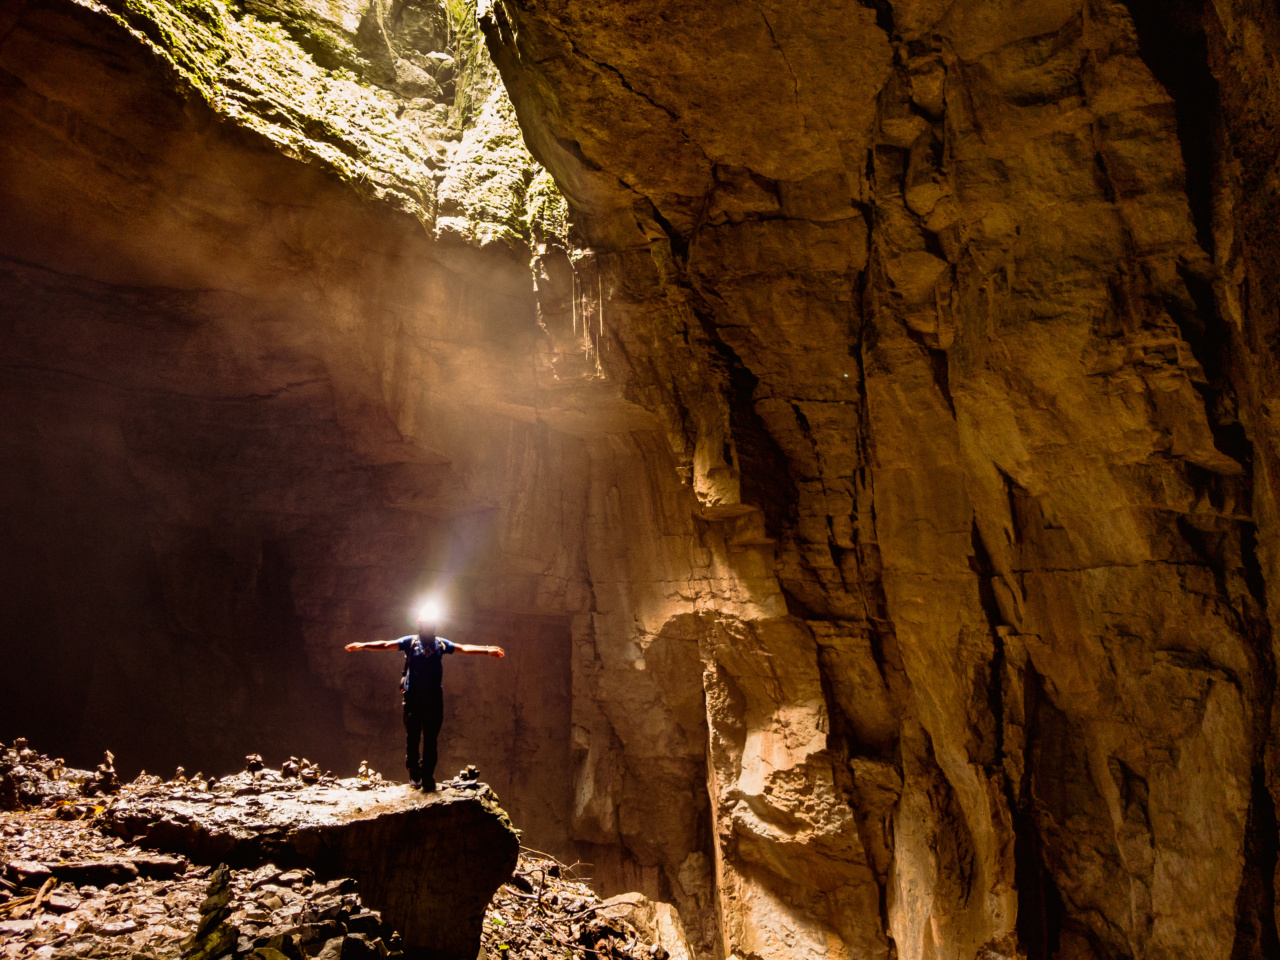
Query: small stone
[
  {"x": 317, "y": 932},
  {"x": 218, "y": 879},
  {"x": 279, "y": 947},
  {"x": 70, "y": 926},
  {"x": 341, "y": 885},
  {"x": 216, "y": 901},
  {"x": 221, "y": 940},
  {"x": 356, "y": 946},
  {"x": 117, "y": 927},
  {"x": 61, "y": 903},
  {"x": 28, "y": 873},
  {"x": 367, "y": 922},
  {"x": 210, "y": 922}
]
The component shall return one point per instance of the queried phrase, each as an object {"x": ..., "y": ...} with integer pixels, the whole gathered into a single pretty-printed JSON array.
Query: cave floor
[
  {"x": 542, "y": 913},
  {"x": 74, "y": 891},
  {"x": 84, "y": 872}
]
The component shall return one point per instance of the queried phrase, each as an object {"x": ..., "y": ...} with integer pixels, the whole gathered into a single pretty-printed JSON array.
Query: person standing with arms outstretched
[{"x": 421, "y": 685}]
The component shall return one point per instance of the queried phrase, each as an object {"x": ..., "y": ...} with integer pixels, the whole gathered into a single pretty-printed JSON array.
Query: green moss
[
  {"x": 264, "y": 74},
  {"x": 477, "y": 77},
  {"x": 310, "y": 23},
  {"x": 546, "y": 212},
  {"x": 483, "y": 195},
  {"x": 190, "y": 34}
]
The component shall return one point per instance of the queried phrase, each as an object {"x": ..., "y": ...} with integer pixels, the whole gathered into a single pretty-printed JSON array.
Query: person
[{"x": 423, "y": 690}]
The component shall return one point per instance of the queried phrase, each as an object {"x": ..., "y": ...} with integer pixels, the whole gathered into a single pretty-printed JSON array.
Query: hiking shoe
[
  {"x": 428, "y": 786},
  {"x": 415, "y": 784}
]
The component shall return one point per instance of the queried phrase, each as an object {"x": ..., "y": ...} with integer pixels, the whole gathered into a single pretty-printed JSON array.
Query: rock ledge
[{"x": 429, "y": 862}]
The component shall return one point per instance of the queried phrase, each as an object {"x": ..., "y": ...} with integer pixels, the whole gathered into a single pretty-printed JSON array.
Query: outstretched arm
[
  {"x": 374, "y": 645},
  {"x": 478, "y": 650}
]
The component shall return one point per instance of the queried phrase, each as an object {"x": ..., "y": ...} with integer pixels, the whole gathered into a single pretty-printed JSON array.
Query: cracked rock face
[{"x": 945, "y": 310}]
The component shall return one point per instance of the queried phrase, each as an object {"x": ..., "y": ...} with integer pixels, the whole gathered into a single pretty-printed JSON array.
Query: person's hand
[
  {"x": 497, "y": 652},
  {"x": 352, "y": 646}
]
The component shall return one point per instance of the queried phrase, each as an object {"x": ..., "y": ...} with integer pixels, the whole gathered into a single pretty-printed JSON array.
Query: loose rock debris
[
  {"x": 68, "y": 888},
  {"x": 544, "y": 912},
  {"x": 430, "y": 861},
  {"x": 154, "y": 906},
  {"x": 71, "y": 886}
]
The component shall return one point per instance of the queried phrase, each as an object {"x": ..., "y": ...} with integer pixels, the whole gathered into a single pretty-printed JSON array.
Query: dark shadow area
[{"x": 1173, "y": 46}]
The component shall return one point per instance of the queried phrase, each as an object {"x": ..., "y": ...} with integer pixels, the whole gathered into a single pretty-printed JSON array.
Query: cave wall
[
  {"x": 952, "y": 318},
  {"x": 255, "y": 415}
]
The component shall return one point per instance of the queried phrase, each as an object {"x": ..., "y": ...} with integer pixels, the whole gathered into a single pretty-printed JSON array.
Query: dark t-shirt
[{"x": 423, "y": 667}]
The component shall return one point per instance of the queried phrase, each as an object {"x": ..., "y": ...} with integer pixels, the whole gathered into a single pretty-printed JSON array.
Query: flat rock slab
[
  {"x": 99, "y": 872},
  {"x": 430, "y": 862}
]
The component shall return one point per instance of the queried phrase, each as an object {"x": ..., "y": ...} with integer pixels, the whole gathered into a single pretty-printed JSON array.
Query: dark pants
[{"x": 423, "y": 715}]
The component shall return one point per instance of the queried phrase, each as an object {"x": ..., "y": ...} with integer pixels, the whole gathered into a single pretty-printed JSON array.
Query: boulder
[
  {"x": 429, "y": 862},
  {"x": 656, "y": 922}
]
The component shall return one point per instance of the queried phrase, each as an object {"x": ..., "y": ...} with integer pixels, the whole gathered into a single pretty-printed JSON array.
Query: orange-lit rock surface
[
  {"x": 873, "y": 491},
  {"x": 429, "y": 863},
  {"x": 951, "y": 315}
]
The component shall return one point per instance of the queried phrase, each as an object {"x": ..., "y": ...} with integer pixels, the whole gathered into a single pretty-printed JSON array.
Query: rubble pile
[
  {"x": 543, "y": 912},
  {"x": 289, "y": 848},
  {"x": 30, "y": 779},
  {"x": 200, "y": 915},
  {"x": 67, "y": 889},
  {"x": 269, "y": 913},
  {"x": 262, "y": 865}
]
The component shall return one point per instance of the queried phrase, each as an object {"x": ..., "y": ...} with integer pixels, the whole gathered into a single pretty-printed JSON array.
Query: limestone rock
[
  {"x": 429, "y": 863},
  {"x": 997, "y": 434},
  {"x": 659, "y": 923}
]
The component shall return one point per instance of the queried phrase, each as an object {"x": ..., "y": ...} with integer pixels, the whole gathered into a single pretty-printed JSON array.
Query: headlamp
[{"x": 430, "y": 611}]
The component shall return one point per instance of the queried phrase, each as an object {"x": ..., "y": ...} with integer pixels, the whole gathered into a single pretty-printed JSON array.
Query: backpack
[{"x": 416, "y": 649}]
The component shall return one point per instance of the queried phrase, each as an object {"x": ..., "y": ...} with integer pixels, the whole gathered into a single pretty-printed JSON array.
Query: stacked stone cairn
[{"x": 214, "y": 936}]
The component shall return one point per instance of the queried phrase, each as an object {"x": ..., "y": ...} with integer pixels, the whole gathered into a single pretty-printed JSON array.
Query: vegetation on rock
[{"x": 369, "y": 93}]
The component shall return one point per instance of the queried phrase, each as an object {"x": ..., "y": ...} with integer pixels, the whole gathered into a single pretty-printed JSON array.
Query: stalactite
[
  {"x": 573, "y": 295},
  {"x": 599, "y": 331}
]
